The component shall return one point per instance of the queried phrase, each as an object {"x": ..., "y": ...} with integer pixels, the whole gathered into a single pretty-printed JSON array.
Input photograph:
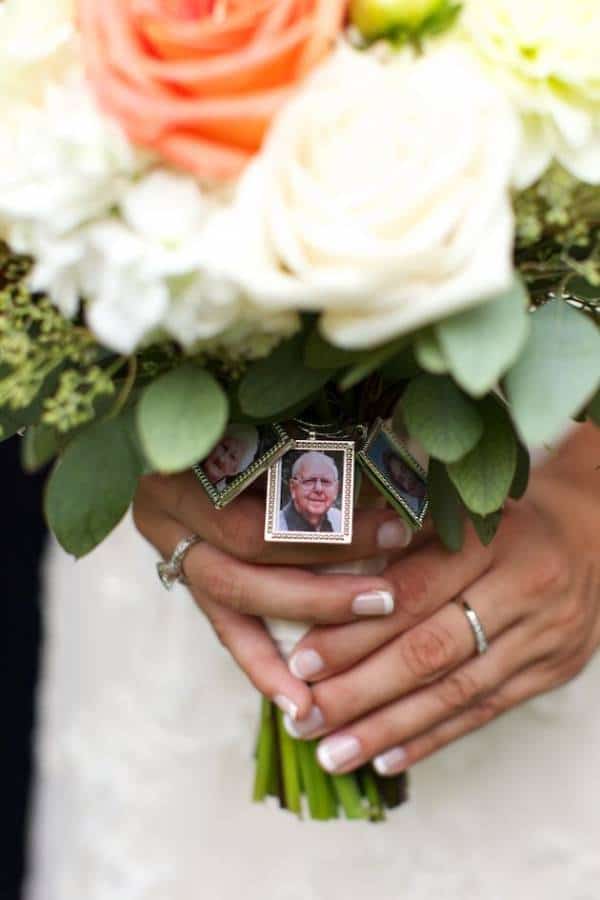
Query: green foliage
[
  {"x": 371, "y": 361},
  {"x": 39, "y": 446},
  {"x": 320, "y": 354},
  {"x": 481, "y": 343},
  {"x": 593, "y": 410},
  {"x": 180, "y": 418},
  {"x": 445, "y": 507},
  {"x": 522, "y": 470},
  {"x": 429, "y": 353},
  {"x": 438, "y": 414},
  {"x": 92, "y": 484},
  {"x": 272, "y": 386},
  {"x": 486, "y": 526},
  {"x": 484, "y": 477},
  {"x": 557, "y": 373}
]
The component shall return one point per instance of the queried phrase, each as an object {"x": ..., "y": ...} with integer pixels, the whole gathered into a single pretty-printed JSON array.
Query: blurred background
[{"x": 22, "y": 536}]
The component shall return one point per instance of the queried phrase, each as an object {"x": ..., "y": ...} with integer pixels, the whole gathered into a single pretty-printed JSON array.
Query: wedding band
[
  {"x": 481, "y": 641},
  {"x": 171, "y": 571}
]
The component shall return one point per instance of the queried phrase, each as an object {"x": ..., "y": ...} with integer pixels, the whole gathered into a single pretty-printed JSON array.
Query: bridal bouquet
[{"x": 321, "y": 238}]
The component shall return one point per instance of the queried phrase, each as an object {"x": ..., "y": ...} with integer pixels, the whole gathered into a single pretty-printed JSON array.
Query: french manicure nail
[
  {"x": 392, "y": 762},
  {"x": 373, "y": 603},
  {"x": 286, "y": 705},
  {"x": 336, "y": 752},
  {"x": 305, "y": 663},
  {"x": 313, "y": 722},
  {"x": 394, "y": 535}
]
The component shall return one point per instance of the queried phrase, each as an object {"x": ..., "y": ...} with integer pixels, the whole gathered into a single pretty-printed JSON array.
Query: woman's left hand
[{"x": 411, "y": 683}]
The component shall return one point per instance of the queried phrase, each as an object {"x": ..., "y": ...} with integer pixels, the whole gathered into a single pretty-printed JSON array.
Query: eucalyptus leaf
[
  {"x": 93, "y": 484},
  {"x": 429, "y": 353},
  {"x": 320, "y": 354},
  {"x": 371, "y": 361},
  {"x": 557, "y": 373},
  {"x": 280, "y": 381},
  {"x": 39, "y": 446},
  {"x": 482, "y": 342},
  {"x": 522, "y": 470},
  {"x": 180, "y": 418},
  {"x": 445, "y": 507},
  {"x": 486, "y": 526},
  {"x": 484, "y": 476},
  {"x": 441, "y": 418},
  {"x": 593, "y": 410}
]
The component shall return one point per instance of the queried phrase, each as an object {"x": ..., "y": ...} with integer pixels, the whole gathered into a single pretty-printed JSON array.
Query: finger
[
  {"x": 454, "y": 695},
  {"x": 246, "y": 638},
  {"x": 269, "y": 591},
  {"x": 421, "y": 655},
  {"x": 423, "y": 582},
  {"x": 239, "y": 529},
  {"x": 515, "y": 691}
]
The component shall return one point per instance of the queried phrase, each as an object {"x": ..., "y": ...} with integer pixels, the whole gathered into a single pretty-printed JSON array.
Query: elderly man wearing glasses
[{"x": 314, "y": 487}]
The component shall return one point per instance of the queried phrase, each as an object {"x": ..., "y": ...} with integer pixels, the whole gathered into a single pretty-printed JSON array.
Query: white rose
[
  {"x": 546, "y": 55},
  {"x": 381, "y": 197}
]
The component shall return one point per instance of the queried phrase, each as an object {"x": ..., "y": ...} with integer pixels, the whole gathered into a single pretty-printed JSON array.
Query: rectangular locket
[
  {"x": 395, "y": 472},
  {"x": 242, "y": 455},
  {"x": 310, "y": 493}
]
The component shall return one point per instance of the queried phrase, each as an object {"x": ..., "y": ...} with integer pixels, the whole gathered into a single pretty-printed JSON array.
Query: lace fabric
[{"x": 145, "y": 769}]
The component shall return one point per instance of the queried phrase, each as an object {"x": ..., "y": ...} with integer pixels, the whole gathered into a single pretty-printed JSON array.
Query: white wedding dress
[{"x": 145, "y": 770}]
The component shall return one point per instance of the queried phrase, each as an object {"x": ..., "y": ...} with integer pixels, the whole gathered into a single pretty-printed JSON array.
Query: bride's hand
[
  {"x": 235, "y": 577},
  {"x": 412, "y": 683}
]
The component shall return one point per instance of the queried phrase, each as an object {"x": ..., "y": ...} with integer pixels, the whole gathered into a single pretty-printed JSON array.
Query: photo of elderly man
[{"x": 314, "y": 487}]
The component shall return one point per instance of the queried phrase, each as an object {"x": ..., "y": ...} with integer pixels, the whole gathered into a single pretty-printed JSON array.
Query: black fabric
[{"x": 21, "y": 541}]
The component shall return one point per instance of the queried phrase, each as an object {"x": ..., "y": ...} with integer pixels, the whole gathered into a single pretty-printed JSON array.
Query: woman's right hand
[{"x": 237, "y": 578}]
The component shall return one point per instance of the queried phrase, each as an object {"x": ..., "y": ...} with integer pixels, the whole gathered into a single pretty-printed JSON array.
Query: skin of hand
[
  {"x": 236, "y": 578},
  {"x": 399, "y": 688}
]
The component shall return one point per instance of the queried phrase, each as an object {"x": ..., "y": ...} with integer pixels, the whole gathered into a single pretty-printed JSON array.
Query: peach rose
[{"x": 199, "y": 81}]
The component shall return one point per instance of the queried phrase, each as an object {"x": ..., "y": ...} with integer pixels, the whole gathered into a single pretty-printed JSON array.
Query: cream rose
[
  {"x": 546, "y": 55},
  {"x": 382, "y": 197}
]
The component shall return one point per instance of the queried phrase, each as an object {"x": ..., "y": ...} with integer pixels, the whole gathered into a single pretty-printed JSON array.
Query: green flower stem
[
  {"x": 289, "y": 768},
  {"x": 348, "y": 792},
  {"x": 321, "y": 803},
  {"x": 370, "y": 790},
  {"x": 265, "y": 753}
]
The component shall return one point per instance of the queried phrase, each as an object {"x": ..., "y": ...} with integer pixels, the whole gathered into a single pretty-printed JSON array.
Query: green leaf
[
  {"x": 484, "y": 476},
  {"x": 445, "y": 507},
  {"x": 557, "y": 373},
  {"x": 521, "y": 478},
  {"x": 486, "y": 526},
  {"x": 92, "y": 484},
  {"x": 39, "y": 446},
  {"x": 371, "y": 361},
  {"x": 320, "y": 354},
  {"x": 180, "y": 418},
  {"x": 280, "y": 381},
  {"x": 582, "y": 289},
  {"x": 400, "y": 367},
  {"x": 593, "y": 410},
  {"x": 439, "y": 415},
  {"x": 481, "y": 343},
  {"x": 429, "y": 353},
  {"x": 11, "y": 421}
]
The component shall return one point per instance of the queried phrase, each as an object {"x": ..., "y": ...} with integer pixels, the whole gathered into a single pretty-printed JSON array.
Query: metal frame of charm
[
  {"x": 379, "y": 477},
  {"x": 254, "y": 470},
  {"x": 347, "y": 493}
]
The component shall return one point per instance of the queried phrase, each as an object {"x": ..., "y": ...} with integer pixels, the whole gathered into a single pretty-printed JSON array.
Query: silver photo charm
[
  {"x": 395, "y": 472},
  {"x": 243, "y": 454},
  {"x": 310, "y": 493}
]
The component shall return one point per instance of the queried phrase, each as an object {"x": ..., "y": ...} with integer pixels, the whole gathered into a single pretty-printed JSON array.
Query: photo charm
[
  {"x": 310, "y": 493},
  {"x": 395, "y": 472},
  {"x": 243, "y": 454}
]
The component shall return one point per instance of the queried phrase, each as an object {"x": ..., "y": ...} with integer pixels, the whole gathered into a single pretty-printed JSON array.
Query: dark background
[{"x": 22, "y": 535}]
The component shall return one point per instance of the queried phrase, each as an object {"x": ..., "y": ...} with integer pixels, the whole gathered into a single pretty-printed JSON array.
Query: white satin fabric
[{"x": 145, "y": 769}]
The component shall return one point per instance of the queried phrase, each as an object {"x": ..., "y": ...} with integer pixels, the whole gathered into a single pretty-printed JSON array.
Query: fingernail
[
  {"x": 287, "y": 706},
  {"x": 338, "y": 751},
  {"x": 391, "y": 762},
  {"x": 374, "y": 603},
  {"x": 394, "y": 535},
  {"x": 313, "y": 722},
  {"x": 305, "y": 663}
]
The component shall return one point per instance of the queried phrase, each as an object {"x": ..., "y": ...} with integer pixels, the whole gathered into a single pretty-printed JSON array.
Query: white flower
[
  {"x": 381, "y": 197},
  {"x": 36, "y": 45},
  {"x": 546, "y": 55}
]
